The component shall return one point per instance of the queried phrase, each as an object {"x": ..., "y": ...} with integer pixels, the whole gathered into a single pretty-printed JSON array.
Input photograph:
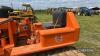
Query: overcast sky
[{"x": 43, "y": 4}]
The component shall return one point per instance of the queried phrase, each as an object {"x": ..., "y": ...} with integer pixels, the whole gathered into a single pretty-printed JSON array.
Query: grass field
[{"x": 90, "y": 32}]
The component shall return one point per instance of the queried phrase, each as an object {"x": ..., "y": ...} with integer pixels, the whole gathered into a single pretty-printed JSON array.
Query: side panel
[{"x": 56, "y": 39}]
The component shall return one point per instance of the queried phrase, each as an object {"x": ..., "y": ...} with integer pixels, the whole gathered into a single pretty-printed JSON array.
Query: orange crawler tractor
[{"x": 25, "y": 38}]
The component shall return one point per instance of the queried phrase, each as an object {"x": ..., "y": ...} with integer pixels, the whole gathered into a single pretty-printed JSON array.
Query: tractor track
[{"x": 65, "y": 51}]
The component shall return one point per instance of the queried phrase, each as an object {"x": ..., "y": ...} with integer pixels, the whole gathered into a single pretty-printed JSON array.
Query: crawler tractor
[
  {"x": 17, "y": 39},
  {"x": 26, "y": 11}
]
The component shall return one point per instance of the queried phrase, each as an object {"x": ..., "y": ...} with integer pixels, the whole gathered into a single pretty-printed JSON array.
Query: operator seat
[{"x": 59, "y": 19}]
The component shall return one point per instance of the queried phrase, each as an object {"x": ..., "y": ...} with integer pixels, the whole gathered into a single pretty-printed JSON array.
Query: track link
[{"x": 65, "y": 51}]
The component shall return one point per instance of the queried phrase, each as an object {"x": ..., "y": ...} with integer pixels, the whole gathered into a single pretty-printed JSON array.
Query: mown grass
[{"x": 90, "y": 32}]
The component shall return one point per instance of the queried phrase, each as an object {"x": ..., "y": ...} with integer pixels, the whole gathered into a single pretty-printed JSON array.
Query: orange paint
[{"x": 47, "y": 38}]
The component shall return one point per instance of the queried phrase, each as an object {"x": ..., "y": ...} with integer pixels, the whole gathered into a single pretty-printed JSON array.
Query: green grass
[
  {"x": 90, "y": 32},
  {"x": 44, "y": 17}
]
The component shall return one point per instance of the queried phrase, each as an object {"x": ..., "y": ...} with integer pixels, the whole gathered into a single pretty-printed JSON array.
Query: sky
[{"x": 44, "y": 4}]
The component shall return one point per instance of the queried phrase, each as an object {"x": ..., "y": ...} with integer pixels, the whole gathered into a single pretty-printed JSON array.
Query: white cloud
[
  {"x": 62, "y": 0},
  {"x": 38, "y": 4}
]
